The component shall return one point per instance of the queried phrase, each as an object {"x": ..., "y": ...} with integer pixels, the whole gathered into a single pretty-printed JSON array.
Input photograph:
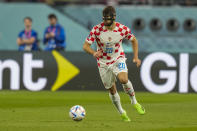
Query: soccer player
[
  {"x": 54, "y": 35},
  {"x": 111, "y": 58},
  {"x": 27, "y": 39}
]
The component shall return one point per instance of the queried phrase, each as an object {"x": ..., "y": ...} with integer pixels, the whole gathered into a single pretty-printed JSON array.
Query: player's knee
[
  {"x": 123, "y": 80},
  {"x": 112, "y": 90}
]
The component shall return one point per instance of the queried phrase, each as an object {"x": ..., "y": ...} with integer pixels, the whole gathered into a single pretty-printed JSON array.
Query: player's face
[
  {"x": 27, "y": 23},
  {"x": 108, "y": 21},
  {"x": 52, "y": 21}
]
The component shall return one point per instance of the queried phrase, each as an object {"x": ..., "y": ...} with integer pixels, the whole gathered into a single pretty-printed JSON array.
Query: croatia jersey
[{"x": 109, "y": 42}]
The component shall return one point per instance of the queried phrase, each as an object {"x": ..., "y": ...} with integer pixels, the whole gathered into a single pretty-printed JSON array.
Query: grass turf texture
[{"x": 48, "y": 111}]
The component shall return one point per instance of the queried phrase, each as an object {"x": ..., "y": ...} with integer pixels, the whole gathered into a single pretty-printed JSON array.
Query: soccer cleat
[
  {"x": 125, "y": 117},
  {"x": 140, "y": 109}
]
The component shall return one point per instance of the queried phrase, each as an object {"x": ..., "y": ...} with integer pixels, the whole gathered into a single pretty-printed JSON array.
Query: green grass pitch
[{"x": 48, "y": 111}]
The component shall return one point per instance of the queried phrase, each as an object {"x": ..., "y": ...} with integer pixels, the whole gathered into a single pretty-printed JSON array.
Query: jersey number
[{"x": 121, "y": 66}]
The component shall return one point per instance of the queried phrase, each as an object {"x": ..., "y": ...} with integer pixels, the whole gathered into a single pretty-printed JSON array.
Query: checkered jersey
[{"x": 109, "y": 42}]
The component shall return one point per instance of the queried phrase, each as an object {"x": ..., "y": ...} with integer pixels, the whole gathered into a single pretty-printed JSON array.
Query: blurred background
[
  {"x": 167, "y": 26},
  {"x": 41, "y": 51}
]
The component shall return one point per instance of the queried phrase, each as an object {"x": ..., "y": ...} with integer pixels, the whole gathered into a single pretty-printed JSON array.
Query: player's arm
[
  {"x": 129, "y": 36},
  {"x": 87, "y": 48},
  {"x": 87, "y": 44},
  {"x": 47, "y": 36},
  {"x": 19, "y": 41},
  {"x": 60, "y": 37},
  {"x": 29, "y": 41},
  {"x": 136, "y": 60}
]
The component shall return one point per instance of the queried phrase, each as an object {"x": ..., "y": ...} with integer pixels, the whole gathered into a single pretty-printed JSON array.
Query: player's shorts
[{"x": 108, "y": 73}]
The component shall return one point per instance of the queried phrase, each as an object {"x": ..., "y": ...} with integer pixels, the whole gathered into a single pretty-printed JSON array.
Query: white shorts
[{"x": 108, "y": 73}]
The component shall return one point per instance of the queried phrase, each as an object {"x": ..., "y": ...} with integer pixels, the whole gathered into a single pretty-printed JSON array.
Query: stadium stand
[
  {"x": 78, "y": 23},
  {"x": 12, "y": 16},
  {"x": 163, "y": 39}
]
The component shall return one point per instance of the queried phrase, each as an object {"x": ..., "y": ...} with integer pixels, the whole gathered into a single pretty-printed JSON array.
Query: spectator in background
[
  {"x": 27, "y": 38},
  {"x": 54, "y": 35}
]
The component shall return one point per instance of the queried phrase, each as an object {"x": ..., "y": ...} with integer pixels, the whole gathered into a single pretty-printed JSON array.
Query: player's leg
[
  {"x": 109, "y": 79},
  {"x": 122, "y": 73},
  {"x": 115, "y": 98},
  {"x": 128, "y": 88}
]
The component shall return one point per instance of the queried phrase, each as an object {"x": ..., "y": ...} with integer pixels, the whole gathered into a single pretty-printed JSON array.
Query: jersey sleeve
[
  {"x": 45, "y": 40},
  {"x": 128, "y": 34},
  {"x": 20, "y": 35},
  {"x": 60, "y": 36},
  {"x": 91, "y": 38},
  {"x": 34, "y": 35}
]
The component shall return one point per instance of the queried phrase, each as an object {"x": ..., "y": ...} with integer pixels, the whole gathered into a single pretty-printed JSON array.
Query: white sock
[
  {"x": 128, "y": 88},
  {"x": 116, "y": 101}
]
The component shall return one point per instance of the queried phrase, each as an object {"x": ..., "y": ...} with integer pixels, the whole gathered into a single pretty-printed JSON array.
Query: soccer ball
[{"x": 77, "y": 113}]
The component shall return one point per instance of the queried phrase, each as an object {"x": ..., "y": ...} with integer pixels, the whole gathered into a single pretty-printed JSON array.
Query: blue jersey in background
[
  {"x": 27, "y": 35},
  {"x": 58, "y": 41}
]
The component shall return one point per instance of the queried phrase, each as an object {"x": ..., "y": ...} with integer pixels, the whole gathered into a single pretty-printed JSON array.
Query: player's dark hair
[
  {"x": 28, "y": 18},
  {"x": 52, "y": 16},
  {"x": 109, "y": 11}
]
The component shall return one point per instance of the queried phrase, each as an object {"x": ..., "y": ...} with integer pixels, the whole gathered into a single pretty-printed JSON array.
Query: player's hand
[
  {"x": 52, "y": 34},
  {"x": 97, "y": 54},
  {"x": 137, "y": 61},
  {"x": 47, "y": 35}
]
